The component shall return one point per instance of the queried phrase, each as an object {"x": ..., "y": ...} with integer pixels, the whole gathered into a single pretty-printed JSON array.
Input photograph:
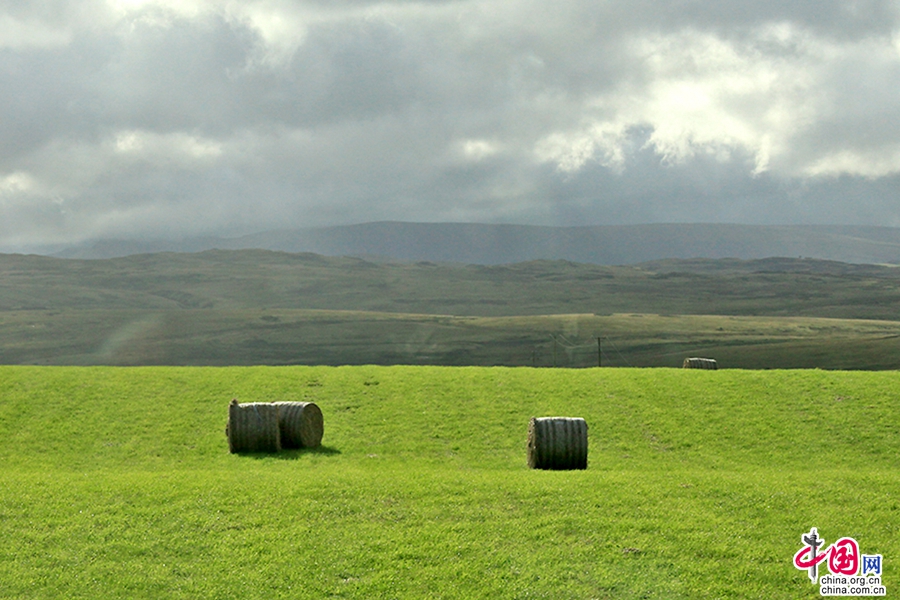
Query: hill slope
[
  {"x": 499, "y": 244},
  {"x": 226, "y": 307},
  {"x": 257, "y": 279}
]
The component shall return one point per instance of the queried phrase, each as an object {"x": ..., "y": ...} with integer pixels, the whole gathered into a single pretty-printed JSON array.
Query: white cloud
[
  {"x": 699, "y": 94},
  {"x": 477, "y": 150},
  {"x": 761, "y": 96},
  {"x": 16, "y": 183},
  {"x": 872, "y": 163},
  {"x": 282, "y": 28},
  {"x": 602, "y": 142},
  {"x": 168, "y": 148},
  {"x": 18, "y": 34}
]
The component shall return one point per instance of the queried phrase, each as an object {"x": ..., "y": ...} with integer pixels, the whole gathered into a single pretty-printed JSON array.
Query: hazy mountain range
[{"x": 486, "y": 244}]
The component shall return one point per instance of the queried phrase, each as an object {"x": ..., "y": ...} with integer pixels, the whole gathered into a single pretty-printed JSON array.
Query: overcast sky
[{"x": 144, "y": 118}]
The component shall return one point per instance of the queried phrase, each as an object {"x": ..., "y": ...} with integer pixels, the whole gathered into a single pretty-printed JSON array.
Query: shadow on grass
[{"x": 292, "y": 454}]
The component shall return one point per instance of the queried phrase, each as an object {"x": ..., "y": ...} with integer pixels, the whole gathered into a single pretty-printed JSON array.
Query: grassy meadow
[
  {"x": 117, "y": 483},
  {"x": 333, "y": 337}
]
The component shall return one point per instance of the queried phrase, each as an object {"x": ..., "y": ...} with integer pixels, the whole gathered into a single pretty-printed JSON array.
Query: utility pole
[{"x": 599, "y": 354}]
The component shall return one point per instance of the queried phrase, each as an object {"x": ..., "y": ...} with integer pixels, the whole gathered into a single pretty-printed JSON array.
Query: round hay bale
[
  {"x": 253, "y": 427},
  {"x": 301, "y": 424},
  {"x": 557, "y": 443},
  {"x": 700, "y": 363}
]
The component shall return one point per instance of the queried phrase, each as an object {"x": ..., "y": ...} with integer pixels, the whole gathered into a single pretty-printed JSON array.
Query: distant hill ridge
[{"x": 486, "y": 244}]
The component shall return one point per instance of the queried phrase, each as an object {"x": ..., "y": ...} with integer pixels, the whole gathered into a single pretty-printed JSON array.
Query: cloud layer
[{"x": 145, "y": 118}]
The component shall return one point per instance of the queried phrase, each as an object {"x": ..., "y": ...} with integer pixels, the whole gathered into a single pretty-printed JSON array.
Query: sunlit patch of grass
[{"x": 117, "y": 482}]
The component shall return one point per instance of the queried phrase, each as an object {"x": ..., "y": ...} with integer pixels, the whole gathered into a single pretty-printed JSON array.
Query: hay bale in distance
[
  {"x": 253, "y": 427},
  {"x": 700, "y": 363},
  {"x": 557, "y": 443},
  {"x": 301, "y": 424}
]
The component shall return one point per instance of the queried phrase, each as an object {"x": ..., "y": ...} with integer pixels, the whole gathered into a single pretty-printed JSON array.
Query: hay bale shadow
[{"x": 294, "y": 454}]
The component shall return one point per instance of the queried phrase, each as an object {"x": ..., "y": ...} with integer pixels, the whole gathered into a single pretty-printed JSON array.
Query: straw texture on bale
[
  {"x": 557, "y": 443},
  {"x": 253, "y": 427},
  {"x": 700, "y": 363},
  {"x": 301, "y": 424}
]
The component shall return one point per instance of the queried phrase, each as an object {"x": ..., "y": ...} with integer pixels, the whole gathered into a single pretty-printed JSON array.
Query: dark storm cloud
[{"x": 143, "y": 118}]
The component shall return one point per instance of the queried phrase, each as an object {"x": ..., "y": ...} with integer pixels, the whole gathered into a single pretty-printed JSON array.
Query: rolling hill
[
  {"x": 228, "y": 307},
  {"x": 485, "y": 244}
]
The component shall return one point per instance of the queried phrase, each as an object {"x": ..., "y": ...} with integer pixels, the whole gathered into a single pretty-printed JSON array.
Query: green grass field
[{"x": 117, "y": 483}]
